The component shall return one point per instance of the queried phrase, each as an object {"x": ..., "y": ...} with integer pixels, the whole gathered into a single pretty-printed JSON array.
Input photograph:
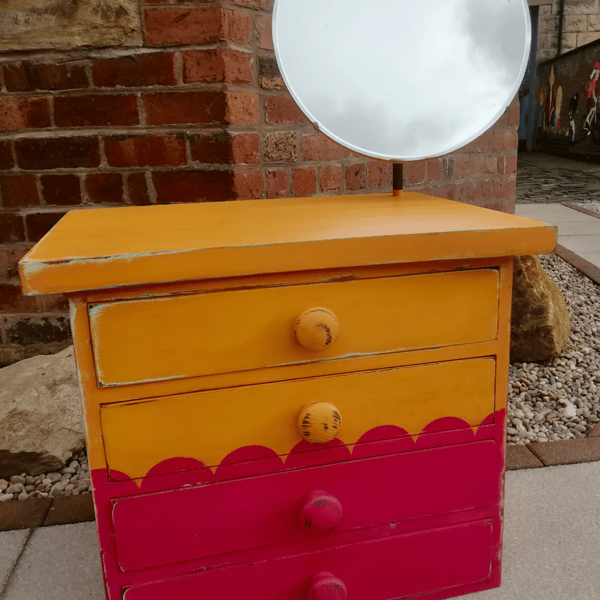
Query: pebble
[
  {"x": 73, "y": 479},
  {"x": 559, "y": 399}
]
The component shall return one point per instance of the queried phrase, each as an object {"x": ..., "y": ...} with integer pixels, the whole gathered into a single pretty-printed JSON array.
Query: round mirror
[{"x": 402, "y": 80}]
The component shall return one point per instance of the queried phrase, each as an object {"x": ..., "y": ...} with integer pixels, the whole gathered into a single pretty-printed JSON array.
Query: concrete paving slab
[
  {"x": 59, "y": 563},
  {"x": 591, "y": 227},
  {"x": 557, "y": 212},
  {"x": 551, "y": 535},
  {"x": 11, "y": 545},
  {"x": 580, "y": 243}
]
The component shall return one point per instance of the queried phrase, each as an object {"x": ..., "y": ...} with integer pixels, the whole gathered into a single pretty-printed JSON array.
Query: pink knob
[
  {"x": 321, "y": 512},
  {"x": 325, "y": 586}
]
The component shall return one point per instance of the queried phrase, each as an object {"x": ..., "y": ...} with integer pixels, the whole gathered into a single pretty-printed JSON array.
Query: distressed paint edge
[{"x": 41, "y": 277}]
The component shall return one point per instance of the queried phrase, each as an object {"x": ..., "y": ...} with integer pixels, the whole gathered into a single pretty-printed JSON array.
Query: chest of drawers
[{"x": 293, "y": 399}]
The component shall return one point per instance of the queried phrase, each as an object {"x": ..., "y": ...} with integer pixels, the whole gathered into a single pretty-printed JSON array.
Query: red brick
[
  {"x": 378, "y": 174},
  {"x": 484, "y": 165},
  {"x": 355, "y": 176},
  {"x": 510, "y": 164},
  {"x": 147, "y": 151},
  {"x": 224, "y": 148},
  {"x": 167, "y": 108},
  {"x": 514, "y": 115},
  {"x": 435, "y": 169},
  {"x": 483, "y": 143},
  {"x": 24, "y": 113},
  {"x": 505, "y": 140},
  {"x": 504, "y": 188},
  {"x": 217, "y": 66},
  {"x": 277, "y": 183},
  {"x": 13, "y": 301},
  {"x": 96, "y": 110},
  {"x": 245, "y": 148},
  {"x": 330, "y": 178},
  {"x": 478, "y": 193},
  {"x": 264, "y": 31},
  {"x": 269, "y": 77},
  {"x": 193, "y": 186},
  {"x": 281, "y": 147},
  {"x": 316, "y": 146},
  {"x": 61, "y": 190},
  {"x": 256, "y": 4},
  {"x": 241, "y": 108},
  {"x": 506, "y": 205},
  {"x": 12, "y": 229},
  {"x": 249, "y": 184},
  {"x": 304, "y": 181},
  {"x": 460, "y": 166},
  {"x": 27, "y": 77},
  {"x": 450, "y": 191},
  {"x": 137, "y": 186},
  {"x": 214, "y": 148},
  {"x": 53, "y": 303},
  {"x": 56, "y": 153},
  {"x": 135, "y": 71},
  {"x": 19, "y": 190},
  {"x": 422, "y": 189},
  {"x": 104, "y": 188},
  {"x": 6, "y": 156},
  {"x": 237, "y": 26},
  {"x": 39, "y": 224},
  {"x": 283, "y": 109},
  {"x": 179, "y": 26},
  {"x": 9, "y": 260},
  {"x": 416, "y": 172}
]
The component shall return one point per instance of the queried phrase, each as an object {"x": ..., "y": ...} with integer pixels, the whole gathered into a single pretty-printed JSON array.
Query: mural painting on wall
[{"x": 568, "y": 116}]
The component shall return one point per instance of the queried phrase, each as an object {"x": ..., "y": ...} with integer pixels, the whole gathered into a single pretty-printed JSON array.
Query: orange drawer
[
  {"x": 394, "y": 567},
  {"x": 209, "y": 425},
  {"x": 272, "y": 509},
  {"x": 198, "y": 334}
]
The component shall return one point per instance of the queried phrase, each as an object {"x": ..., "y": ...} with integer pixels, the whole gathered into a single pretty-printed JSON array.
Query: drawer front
[
  {"x": 206, "y": 333},
  {"x": 207, "y": 426},
  {"x": 394, "y": 567},
  {"x": 192, "y": 523}
]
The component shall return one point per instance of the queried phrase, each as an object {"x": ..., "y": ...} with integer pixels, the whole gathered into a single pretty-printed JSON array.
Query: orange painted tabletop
[{"x": 105, "y": 248}]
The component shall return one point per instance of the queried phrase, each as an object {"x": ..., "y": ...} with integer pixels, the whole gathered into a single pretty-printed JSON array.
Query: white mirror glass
[{"x": 402, "y": 79}]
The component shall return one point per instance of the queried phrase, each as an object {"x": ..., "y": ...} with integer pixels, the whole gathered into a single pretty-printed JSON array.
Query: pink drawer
[
  {"x": 392, "y": 567},
  {"x": 196, "y": 522}
]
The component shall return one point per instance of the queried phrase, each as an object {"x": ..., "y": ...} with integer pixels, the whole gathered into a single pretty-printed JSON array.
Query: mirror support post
[{"x": 397, "y": 178}]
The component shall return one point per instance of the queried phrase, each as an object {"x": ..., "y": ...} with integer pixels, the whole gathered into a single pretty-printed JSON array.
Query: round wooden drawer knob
[
  {"x": 321, "y": 512},
  {"x": 317, "y": 329},
  {"x": 319, "y": 422},
  {"x": 326, "y": 586}
]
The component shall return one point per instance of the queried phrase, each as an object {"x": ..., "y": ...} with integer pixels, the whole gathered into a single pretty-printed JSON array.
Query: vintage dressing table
[{"x": 296, "y": 399}]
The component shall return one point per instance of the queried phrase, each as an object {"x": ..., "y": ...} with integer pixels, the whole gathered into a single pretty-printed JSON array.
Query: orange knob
[
  {"x": 317, "y": 329},
  {"x": 319, "y": 422}
]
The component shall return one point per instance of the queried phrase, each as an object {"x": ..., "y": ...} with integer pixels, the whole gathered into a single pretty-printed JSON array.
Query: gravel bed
[
  {"x": 559, "y": 399},
  {"x": 71, "y": 480},
  {"x": 556, "y": 400},
  {"x": 593, "y": 205}
]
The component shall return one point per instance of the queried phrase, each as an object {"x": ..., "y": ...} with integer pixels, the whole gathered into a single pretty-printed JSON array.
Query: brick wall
[{"x": 197, "y": 113}]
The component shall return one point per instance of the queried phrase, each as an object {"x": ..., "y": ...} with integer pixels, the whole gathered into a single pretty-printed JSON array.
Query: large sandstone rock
[
  {"x": 41, "y": 420},
  {"x": 540, "y": 323},
  {"x": 66, "y": 24}
]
